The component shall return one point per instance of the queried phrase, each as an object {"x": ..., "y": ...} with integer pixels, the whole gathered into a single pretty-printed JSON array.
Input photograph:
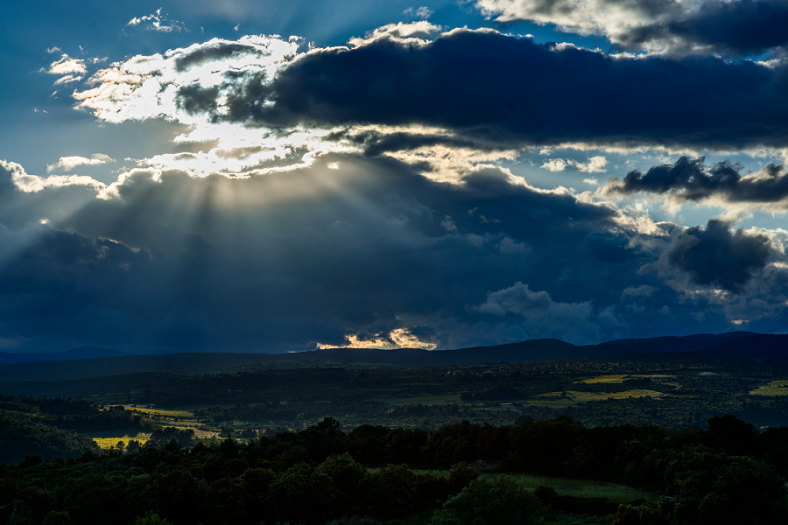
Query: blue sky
[{"x": 275, "y": 176}]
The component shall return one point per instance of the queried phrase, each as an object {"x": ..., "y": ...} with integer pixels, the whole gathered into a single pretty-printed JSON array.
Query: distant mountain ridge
[
  {"x": 85, "y": 352},
  {"x": 103, "y": 362}
]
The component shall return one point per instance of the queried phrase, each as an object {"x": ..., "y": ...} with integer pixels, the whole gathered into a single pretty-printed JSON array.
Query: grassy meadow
[{"x": 774, "y": 388}]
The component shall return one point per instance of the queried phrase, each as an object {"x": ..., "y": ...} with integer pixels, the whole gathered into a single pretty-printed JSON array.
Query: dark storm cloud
[
  {"x": 486, "y": 84},
  {"x": 691, "y": 180},
  {"x": 739, "y": 27},
  {"x": 263, "y": 263},
  {"x": 313, "y": 254},
  {"x": 717, "y": 256},
  {"x": 213, "y": 53},
  {"x": 195, "y": 99},
  {"x": 375, "y": 143}
]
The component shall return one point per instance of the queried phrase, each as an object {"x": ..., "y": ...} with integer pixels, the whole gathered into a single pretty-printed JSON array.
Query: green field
[
  {"x": 581, "y": 488},
  {"x": 617, "y": 378},
  {"x": 573, "y": 397},
  {"x": 570, "y": 487},
  {"x": 161, "y": 413},
  {"x": 775, "y": 388}
]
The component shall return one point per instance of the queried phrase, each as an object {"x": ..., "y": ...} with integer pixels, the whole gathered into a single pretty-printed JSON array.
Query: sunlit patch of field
[
  {"x": 205, "y": 434},
  {"x": 192, "y": 424},
  {"x": 618, "y": 378},
  {"x": 424, "y": 400},
  {"x": 158, "y": 412},
  {"x": 775, "y": 388},
  {"x": 569, "y": 487},
  {"x": 572, "y": 397},
  {"x": 110, "y": 438}
]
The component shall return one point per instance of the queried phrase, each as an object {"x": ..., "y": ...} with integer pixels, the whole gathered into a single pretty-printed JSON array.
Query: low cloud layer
[
  {"x": 347, "y": 250},
  {"x": 540, "y": 317}
]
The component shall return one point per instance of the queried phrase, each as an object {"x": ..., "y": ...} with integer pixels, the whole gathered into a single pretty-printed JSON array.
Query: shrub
[
  {"x": 151, "y": 519},
  {"x": 483, "y": 502}
]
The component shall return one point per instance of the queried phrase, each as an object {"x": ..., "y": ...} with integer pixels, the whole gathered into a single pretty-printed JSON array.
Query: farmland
[
  {"x": 673, "y": 390},
  {"x": 773, "y": 388}
]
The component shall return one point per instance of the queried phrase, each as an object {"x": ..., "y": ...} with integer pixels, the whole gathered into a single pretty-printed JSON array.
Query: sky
[{"x": 272, "y": 176}]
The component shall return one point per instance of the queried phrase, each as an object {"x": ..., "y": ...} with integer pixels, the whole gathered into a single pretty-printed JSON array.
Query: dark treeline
[
  {"x": 22, "y": 434},
  {"x": 56, "y": 406},
  {"x": 495, "y": 393},
  {"x": 729, "y": 473},
  {"x": 71, "y": 414}
]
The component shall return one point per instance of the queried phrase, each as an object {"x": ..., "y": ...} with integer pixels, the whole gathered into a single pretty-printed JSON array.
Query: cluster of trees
[
  {"x": 246, "y": 412},
  {"x": 22, "y": 434},
  {"x": 56, "y": 406},
  {"x": 51, "y": 427},
  {"x": 729, "y": 473},
  {"x": 161, "y": 437}
]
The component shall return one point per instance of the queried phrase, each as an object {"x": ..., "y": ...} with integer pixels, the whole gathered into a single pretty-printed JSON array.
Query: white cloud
[
  {"x": 53, "y": 49},
  {"x": 67, "y": 65},
  {"x": 413, "y": 33},
  {"x": 157, "y": 21},
  {"x": 555, "y": 165},
  {"x": 68, "y": 79},
  {"x": 594, "y": 165},
  {"x": 592, "y": 181},
  {"x": 69, "y": 163},
  {"x": 34, "y": 184},
  {"x": 145, "y": 87},
  {"x": 421, "y": 12}
]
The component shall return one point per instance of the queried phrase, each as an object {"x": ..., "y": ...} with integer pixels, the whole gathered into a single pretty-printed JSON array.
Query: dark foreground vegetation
[{"x": 727, "y": 474}]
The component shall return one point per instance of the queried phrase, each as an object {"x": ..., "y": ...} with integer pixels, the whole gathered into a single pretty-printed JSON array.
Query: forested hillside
[
  {"x": 52, "y": 427},
  {"x": 728, "y": 474}
]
